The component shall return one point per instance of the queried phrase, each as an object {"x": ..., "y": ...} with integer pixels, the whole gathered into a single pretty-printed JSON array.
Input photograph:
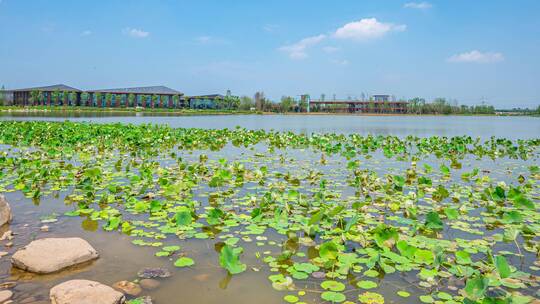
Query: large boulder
[
  {"x": 53, "y": 254},
  {"x": 85, "y": 292},
  {"x": 5, "y": 211}
]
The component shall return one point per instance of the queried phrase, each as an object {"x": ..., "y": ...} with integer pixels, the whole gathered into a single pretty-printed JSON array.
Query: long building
[
  {"x": 355, "y": 106},
  {"x": 147, "y": 97}
]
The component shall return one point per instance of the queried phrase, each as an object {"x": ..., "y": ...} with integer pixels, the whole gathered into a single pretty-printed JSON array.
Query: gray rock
[
  {"x": 5, "y": 211},
  {"x": 53, "y": 254},
  {"x": 85, "y": 292}
]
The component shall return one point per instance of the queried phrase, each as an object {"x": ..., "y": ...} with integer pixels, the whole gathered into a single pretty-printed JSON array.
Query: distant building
[
  {"x": 146, "y": 97},
  {"x": 377, "y": 104},
  {"x": 204, "y": 101},
  {"x": 63, "y": 95},
  {"x": 60, "y": 92},
  {"x": 381, "y": 98}
]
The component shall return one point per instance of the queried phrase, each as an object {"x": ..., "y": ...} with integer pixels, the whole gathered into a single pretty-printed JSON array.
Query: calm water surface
[{"x": 476, "y": 126}]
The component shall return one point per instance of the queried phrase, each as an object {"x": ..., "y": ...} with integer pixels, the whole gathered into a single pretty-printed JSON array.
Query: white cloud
[
  {"x": 330, "y": 49},
  {"x": 86, "y": 33},
  {"x": 203, "y": 39},
  {"x": 135, "y": 33},
  {"x": 340, "y": 61},
  {"x": 366, "y": 29},
  {"x": 477, "y": 57},
  {"x": 298, "y": 49},
  {"x": 210, "y": 40},
  {"x": 267, "y": 27},
  {"x": 418, "y": 5}
]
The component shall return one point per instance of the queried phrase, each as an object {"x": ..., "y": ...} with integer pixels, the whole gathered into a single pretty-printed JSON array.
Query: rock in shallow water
[
  {"x": 5, "y": 295},
  {"x": 127, "y": 287},
  {"x": 149, "y": 284},
  {"x": 5, "y": 211},
  {"x": 53, "y": 254},
  {"x": 85, "y": 292},
  {"x": 150, "y": 273}
]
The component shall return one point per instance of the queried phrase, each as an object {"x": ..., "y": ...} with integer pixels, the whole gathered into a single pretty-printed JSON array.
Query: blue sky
[{"x": 460, "y": 49}]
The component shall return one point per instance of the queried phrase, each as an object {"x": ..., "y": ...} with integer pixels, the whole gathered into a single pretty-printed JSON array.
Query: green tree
[
  {"x": 153, "y": 101},
  {"x": 55, "y": 97},
  {"x": 41, "y": 98},
  {"x": 65, "y": 98},
  {"x": 131, "y": 100},
  {"x": 231, "y": 102},
  {"x": 33, "y": 97},
  {"x": 99, "y": 100},
  {"x": 73, "y": 98},
  {"x": 84, "y": 98},
  {"x": 108, "y": 100},
  {"x": 286, "y": 103},
  {"x": 176, "y": 101},
  {"x": 246, "y": 103},
  {"x": 3, "y": 98},
  {"x": 143, "y": 99},
  {"x": 371, "y": 106}
]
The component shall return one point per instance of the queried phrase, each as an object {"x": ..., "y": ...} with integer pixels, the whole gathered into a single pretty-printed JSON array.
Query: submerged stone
[
  {"x": 150, "y": 273},
  {"x": 130, "y": 288},
  {"x": 53, "y": 254},
  {"x": 5, "y": 211},
  {"x": 85, "y": 292},
  {"x": 149, "y": 284}
]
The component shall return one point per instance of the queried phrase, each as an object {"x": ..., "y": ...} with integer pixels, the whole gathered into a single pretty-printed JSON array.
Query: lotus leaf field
[{"x": 338, "y": 218}]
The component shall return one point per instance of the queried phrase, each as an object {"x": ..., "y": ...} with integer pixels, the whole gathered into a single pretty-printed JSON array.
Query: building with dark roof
[
  {"x": 147, "y": 97},
  {"x": 35, "y": 95},
  {"x": 63, "y": 95}
]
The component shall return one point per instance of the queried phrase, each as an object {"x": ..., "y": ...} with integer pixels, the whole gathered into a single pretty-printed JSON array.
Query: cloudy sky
[{"x": 471, "y": 51}]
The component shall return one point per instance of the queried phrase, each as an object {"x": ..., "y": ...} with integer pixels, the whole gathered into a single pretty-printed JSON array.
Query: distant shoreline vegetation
[
  {"x": 187, "y": 112},
  {"x": 66, "y": 101}
]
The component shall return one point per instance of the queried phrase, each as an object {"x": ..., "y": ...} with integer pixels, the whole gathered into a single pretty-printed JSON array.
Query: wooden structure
[{"x": 355, "y": 106}]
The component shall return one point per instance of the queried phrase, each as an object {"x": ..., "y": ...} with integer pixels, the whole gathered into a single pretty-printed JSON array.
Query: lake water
[
  {"x": 512, "y": 127},
  {"x": 206, "y": 281}
]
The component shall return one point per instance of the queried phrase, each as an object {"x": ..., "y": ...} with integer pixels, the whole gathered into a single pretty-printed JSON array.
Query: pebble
[
  {"x": 202, "y": 277},
  {"x": 5, "y": 295},
  {"x": 8, "y": 235},
  {"x": 9, "y": 284},
  {"x": 130, "y": 288},
  {"x": 44, "y": 228}
]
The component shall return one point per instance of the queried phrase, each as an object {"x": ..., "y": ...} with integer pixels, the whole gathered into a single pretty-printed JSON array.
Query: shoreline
[{"x": 201, "y": 112}]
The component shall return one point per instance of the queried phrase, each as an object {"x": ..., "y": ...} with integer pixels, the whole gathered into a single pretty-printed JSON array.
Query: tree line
[{"x": 259, "y": 102}]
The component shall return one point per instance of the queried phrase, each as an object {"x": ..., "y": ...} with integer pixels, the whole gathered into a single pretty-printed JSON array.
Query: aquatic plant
[{"x": 333, "y": 215}]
